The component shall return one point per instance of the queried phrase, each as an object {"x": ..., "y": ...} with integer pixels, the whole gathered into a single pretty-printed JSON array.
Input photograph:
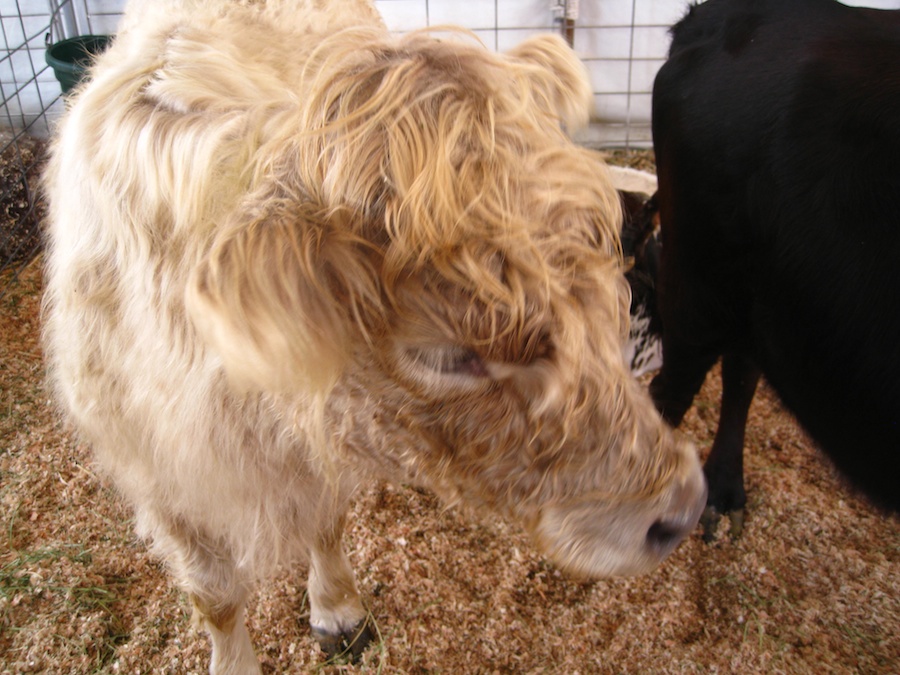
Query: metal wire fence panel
[
  {"x": 26, "y": 86},
  {"x": 28, "y": 94},
  {"x": 622, "y": 43},
  {"x": 30, "y": 100}
]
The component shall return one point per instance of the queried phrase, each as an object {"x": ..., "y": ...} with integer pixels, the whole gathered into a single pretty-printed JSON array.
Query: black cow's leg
[
  {"x": 724, "y": 468},
  {"x": 683, "y": 372}
]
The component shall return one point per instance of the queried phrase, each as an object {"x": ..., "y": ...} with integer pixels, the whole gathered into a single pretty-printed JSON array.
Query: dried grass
[{"x": 813, "y": 586}]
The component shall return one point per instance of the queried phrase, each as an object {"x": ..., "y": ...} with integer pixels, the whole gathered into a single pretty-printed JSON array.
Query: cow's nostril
[{"x": 663, "y": 536}]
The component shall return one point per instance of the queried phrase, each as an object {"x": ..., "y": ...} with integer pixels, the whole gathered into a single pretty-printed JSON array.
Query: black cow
[{"x": 776, "y": 126}]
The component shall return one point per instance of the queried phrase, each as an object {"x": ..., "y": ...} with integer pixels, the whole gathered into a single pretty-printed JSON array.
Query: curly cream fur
[{"x": 289, "y": 251}]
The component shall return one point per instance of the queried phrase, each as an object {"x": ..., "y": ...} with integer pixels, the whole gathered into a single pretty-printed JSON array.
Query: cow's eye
[
  {"x": 449, "y": 360},
  {"x": 442, "y": 368}
]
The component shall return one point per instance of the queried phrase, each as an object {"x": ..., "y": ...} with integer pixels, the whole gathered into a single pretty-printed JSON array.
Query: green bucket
[{"x": 71, "y": 58}]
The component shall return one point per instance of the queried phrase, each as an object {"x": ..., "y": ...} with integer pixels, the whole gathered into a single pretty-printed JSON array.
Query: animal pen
[
  {"x": 622, "y": 43},
  {"x": 811, "y": 586}
]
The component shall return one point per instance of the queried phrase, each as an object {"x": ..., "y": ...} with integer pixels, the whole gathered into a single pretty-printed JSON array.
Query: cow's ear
[
  {"x": 558, "y": 78},
  {"x": 280, "y": 294}
]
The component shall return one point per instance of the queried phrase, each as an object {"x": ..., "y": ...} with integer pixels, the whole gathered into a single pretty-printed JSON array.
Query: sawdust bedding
[{"x": 812, "y": 586}]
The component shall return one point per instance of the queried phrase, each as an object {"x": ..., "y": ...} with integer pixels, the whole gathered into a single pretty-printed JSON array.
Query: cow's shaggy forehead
[
  {"x": 456, "y": 156},
  {"x": 481, "y": 196}
]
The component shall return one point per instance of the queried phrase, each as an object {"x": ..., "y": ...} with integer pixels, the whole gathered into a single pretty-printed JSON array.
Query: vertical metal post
[
  {"x": 571, "y": 18},
  {"x": 566, "y": 12},
  {"x": 628, "y": 91},
  {"x": 497, "y": 25},
  {"x": 64, "y": 23}
]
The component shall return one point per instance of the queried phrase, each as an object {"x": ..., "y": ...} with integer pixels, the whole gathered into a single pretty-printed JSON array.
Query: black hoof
[
  {"x": 710, "y": 523},
  {"x": 737, "y": 523},
  {"x": 349, "y": 644}
]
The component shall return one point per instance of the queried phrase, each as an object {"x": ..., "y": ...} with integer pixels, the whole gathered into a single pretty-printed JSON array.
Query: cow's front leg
[
  {"x": 338, "y": 619},
  {"x": 206, "y": 570},
  {"x": 724, "y": 468},
  {"x": 683, "y": 372},
  {"x": 232, "y": 652}
]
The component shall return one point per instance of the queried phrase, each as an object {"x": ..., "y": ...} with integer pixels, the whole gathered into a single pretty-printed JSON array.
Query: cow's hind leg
[
  {"x": 338, "y": 619},
  {"x": 724, "y": 468}
]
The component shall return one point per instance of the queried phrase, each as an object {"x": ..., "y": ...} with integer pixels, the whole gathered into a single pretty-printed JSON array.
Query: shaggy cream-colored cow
[{"x": 290, "y": 252}]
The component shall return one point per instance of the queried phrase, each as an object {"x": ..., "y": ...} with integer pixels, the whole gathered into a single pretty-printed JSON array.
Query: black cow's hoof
[
  {"x": 710, "y": 518},
  {"x": 709, "y": 521},
  {"x": 349, "y": 644},
  {"x": 737, "y": 523}
]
